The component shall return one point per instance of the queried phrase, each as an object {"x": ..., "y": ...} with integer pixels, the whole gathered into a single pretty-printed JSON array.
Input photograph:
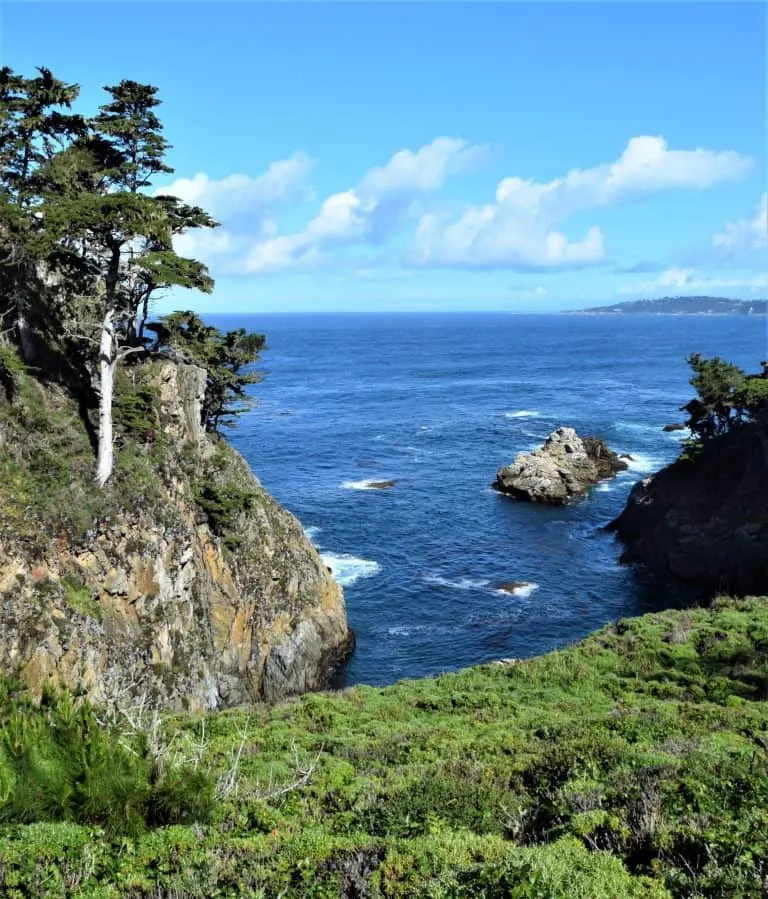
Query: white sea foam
[
  {"x": 638, "y": 427},
  {"x": 525, "y": 588},
  {"x": 643, "y": 463},
  {"x": 347, "y": 569},
  {"x": 684, "y": 434},
  {"x": 367, "y": 484},
  {"x": 405, "y": 630},
  {"x": 312, "y": 532},
  {"x": 522, "y": 413},
  {"x": 462, "y": 583}
]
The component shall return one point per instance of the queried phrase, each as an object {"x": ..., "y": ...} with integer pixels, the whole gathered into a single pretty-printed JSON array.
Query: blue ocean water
[{"x": 439, "y": 403}]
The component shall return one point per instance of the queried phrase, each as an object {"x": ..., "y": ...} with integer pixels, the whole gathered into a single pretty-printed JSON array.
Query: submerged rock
[
  {"x": 673, "y": 427},
  {"x": 516, "y": 588},
  {"x": 381, "y": 485},
  {"x": 565, "y": 467},
  {"x": 704, "y": 519}
]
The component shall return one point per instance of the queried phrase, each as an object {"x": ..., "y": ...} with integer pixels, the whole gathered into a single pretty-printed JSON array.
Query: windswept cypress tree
[{"x": 75, "y": 200}]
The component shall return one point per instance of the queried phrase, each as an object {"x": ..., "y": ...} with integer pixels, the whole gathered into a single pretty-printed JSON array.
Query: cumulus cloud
[
  {"x": 240, "y": 196},
  {"x": 518, "y": 230},
  {"x": 244, "y": 206},
  {"x": 746, "y": 235},
  {"x": 371, "y": 211}
]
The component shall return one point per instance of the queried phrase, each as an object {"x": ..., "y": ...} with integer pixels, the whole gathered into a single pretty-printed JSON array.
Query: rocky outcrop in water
[
  {"x": 565, "y": 467},
  {"x": 201, "y": 594},
  {"x": 704, "y": 520}
]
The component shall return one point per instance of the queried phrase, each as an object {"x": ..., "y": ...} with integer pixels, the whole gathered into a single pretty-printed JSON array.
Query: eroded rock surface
[
  {"x": 157, "y": 604},
  {"x": 565, "y": 467}
]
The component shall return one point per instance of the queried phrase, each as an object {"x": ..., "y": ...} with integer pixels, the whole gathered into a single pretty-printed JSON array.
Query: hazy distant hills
[{"x": 684, "y": 305}]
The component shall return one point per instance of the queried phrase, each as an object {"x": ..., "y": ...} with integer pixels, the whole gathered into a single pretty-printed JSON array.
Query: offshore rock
[
  {"x": 156, "y": 605},
  {"x": 565, "y": 467},
  {"x": 704, "y": 520}
]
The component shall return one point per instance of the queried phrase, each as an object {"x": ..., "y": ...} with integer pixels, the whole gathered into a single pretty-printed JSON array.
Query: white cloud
[
  {"x": 688, "y": 280},
  {"x": 745, "y": 235},
  {"x": 517, "y": 230},
  {"x": 240, "y": 196},
  {"x": 370, "y": 212}
]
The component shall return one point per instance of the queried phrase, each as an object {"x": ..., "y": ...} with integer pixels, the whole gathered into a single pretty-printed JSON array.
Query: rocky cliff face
[
  {"x": 565, "y": 467},
  {"x": 197, "y": 591},
  {"x": 705, "y": 520}
]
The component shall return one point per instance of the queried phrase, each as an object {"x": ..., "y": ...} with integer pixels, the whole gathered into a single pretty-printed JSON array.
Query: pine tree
[{"x": 117, "y": 237}]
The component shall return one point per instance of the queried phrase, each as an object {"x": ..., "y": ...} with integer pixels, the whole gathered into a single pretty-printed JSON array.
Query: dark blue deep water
[{"x": 439, "y": 402}]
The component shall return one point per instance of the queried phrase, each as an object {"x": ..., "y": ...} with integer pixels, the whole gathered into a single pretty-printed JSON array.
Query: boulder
[
  {"x": 675, "y": 426},
  {"x": 565, "y": 467}
]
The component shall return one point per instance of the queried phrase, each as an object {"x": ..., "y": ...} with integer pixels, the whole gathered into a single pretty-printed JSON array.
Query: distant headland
[{"x": 682, "y": 306}]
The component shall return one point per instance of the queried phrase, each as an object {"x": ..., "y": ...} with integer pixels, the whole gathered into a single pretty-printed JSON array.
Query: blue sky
[{"x": 403, "y": 156}]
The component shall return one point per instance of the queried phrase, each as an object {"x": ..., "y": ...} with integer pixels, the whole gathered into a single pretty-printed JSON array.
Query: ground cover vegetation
[{"x": 632, "y": 764}]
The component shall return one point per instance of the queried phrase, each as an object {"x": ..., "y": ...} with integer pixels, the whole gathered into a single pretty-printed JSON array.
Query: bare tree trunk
[
  {"x": 26, "y": 343},
  {"x": 107, "y": 366}
]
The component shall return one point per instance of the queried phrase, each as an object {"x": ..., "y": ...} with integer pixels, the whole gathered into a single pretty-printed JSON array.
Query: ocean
[{"x": 437, "y": 403}]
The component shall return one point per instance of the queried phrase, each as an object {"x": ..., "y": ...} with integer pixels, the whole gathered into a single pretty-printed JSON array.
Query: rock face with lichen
[
  {"x": 189, "y": 586},
  {"x": 565, "y": 467}
]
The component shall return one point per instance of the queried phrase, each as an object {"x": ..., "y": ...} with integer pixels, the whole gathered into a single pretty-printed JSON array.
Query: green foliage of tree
[
  {"x": 228, "y": 358},
  {"x": 725, "y": 396},
  {"x": 86, "y": 244},
  {"x": 59, "y": 762}
]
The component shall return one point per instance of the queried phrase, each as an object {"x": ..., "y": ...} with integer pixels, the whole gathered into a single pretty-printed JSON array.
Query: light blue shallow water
[{"x": 439, "y": 403}]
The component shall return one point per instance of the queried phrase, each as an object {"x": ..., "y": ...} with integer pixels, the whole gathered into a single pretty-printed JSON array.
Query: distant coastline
[{"x": 681, "y": 306}]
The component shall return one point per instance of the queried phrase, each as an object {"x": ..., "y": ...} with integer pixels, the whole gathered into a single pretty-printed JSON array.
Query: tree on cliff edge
[
  {"x": 725, "y": 396},
  {"x": 84, "y": 210}
]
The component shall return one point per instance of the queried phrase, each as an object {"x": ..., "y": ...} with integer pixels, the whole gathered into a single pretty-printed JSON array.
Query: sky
[{"x": 405, "y": 156}]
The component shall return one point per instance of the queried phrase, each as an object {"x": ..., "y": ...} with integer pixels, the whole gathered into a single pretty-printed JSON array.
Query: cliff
[
  {"x": 705, "y": 519},
  {"x": 183, "y": 583}
]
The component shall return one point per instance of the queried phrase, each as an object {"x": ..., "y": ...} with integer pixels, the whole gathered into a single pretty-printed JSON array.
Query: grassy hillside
[{"x": 633, "y": 764}]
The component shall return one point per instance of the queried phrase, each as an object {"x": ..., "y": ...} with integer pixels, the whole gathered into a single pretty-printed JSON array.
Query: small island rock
[{"x": 566, "y": 466}]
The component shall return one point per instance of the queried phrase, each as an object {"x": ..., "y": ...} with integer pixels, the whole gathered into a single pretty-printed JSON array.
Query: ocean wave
[
  {"x": 643, "y": 463},
  {"x": 637, "y": 427},
  {"x": 684, "y": 434},
  {"x": 462, "y": 583},
  {"x": 405, "y": 630},
  {"x": 522, "y": 413},
  {"x": 483, "y": 585},
  {"x": 311, "y": 533},
  {"x": 346, "y": 568},
  {"x": 367, "y": 484}
]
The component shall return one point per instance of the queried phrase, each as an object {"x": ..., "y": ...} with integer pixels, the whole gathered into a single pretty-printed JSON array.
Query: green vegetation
[
  {"x": 222, "y": 355},
  {"x": 222, "y": 503},
  {"x": 86, "y": 245},
  {"x": 725, "y": 397},
  {"x": 634, "y": 764},
  {"x": 80, "y": 599},
  {"x": 59, "y": 762}
]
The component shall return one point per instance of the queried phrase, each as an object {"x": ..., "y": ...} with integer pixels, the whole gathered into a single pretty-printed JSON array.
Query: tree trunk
[
  {"x": 107, "y": 366},
  {"x": 26, "y": 344}
]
